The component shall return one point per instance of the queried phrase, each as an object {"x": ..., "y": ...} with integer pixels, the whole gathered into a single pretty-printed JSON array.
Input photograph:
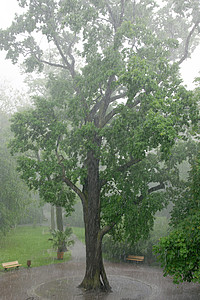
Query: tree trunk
[
  {"x": 59, "y": 218},
  {"x": 53, "y": 225},
  {"x": 59, "y": 221},
  {"x": 95, "y": 276}
]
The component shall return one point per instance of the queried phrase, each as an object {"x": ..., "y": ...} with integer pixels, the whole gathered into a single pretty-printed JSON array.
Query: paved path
[{"x": 59, "y": 282}]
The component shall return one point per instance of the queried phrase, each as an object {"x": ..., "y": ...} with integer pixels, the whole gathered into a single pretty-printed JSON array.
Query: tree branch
[
  {"x": 106, "y": 229},
  {"x": 122, "y": 169},
  {"x": 95, "y": 107},
  {"x": 62, "y": 54},
  {"x": 107, "y": 96},
  {"x": 72, "y": 66},
  {"x": 112, "y": 17},
  {"x": 128, "y": 165},
  {"x": 73, "y": 187},
  {"x": 108, "y": 117},
  {"x": 104, "y": 102},
  {"x": 116, "y": 23},
  {"x": 122, "y": 12},
  {"x": 51, "y": 64},
  {"x": 116, "y": 97},
  {"x": 186, "y": 51},
  {"x": 158, "y": 187},
  {"x": 69, "y": 183},
  {"x": 111, "y": 114}
]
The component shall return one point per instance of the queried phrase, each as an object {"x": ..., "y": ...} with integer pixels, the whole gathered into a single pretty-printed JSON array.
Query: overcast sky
[{"x": 190, "y": 68}]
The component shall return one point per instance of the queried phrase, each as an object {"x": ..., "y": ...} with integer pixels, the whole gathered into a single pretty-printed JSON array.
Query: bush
[{"x": 179, "y": 253}]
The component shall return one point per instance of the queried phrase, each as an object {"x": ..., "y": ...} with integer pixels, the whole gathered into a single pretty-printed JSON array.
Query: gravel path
[{"x": 129, "y": 282}]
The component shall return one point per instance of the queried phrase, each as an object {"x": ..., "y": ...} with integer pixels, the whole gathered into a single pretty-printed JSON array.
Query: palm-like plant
[{"x": 61, "y": 239}]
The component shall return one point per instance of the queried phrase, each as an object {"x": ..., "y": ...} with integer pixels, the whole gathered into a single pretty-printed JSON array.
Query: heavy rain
[{"x": 99, "y": 149}]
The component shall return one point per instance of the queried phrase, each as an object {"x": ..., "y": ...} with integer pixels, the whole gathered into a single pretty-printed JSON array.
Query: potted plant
[{"x": 61, "y": 240}]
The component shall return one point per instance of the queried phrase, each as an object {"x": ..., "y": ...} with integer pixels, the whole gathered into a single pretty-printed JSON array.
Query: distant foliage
[
  {"x": 76, "y": 218},
  {"x": 15, "y": 198},
  {"x": 119, "y": 250},
  {"x": 33, "y": 211},
  {"x": 179, "y": 253},
  {"x": 11, "y": 99},
  {"x": 13, "y": 192}
]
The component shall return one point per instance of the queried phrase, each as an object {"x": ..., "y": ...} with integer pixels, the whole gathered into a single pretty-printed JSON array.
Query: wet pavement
[{"x": 129, "y": 281}]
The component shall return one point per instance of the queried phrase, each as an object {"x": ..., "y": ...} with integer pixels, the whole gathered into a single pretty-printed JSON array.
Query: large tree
[{"x": 119, "y": 101}]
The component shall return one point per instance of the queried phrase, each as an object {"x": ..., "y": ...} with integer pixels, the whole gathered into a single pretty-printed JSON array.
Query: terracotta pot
[
  {"x": 28, "y": 263},
  {"x": 60, "y": 255}
]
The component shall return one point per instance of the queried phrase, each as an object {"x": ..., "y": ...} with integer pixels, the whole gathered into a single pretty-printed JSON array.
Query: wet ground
[{"x": 129, "y": 282}]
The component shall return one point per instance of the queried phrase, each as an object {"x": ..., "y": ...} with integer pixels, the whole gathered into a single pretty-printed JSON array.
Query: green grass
[
  {"x": 29, "y": 243},
  {"x": 80, "y": 233}
]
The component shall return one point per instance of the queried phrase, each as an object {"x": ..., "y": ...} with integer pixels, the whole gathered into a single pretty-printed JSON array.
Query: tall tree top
[{"x": 87, "y": 28}]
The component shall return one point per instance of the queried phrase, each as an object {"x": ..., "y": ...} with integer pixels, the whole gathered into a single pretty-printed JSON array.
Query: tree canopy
[{"x": 111, "y": 116}]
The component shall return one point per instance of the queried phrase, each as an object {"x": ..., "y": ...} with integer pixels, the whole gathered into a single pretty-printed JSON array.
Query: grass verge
[{"x": 29, "y": 243}]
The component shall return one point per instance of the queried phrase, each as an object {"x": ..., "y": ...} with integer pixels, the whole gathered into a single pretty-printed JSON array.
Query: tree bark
[{"x": 95, "y": 276}]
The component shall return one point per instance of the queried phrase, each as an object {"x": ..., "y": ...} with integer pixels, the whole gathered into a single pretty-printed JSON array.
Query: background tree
[
  {"x": 12, "y": 100},
  {"x": 122, "y": 102},
  {"x": 14, "y": 194},
  {"x": 18, "y": 204}
]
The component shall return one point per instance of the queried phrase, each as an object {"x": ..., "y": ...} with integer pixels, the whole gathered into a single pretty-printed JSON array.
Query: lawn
[
  {"x": 29, "y": 243},
  {"x": 80, "y": 233}
]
